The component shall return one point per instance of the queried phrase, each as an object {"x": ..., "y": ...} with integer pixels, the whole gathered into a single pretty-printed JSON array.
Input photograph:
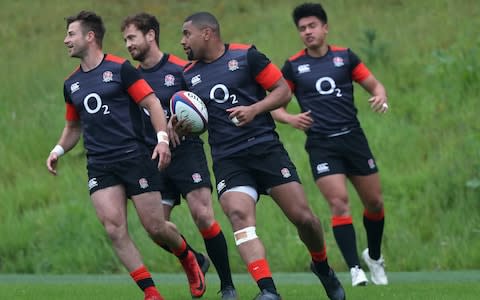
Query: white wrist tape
[
  {"x": 244, "y": 235},
  {"x": 58, "y": 150},
  {"x": 162, "y": 137}
]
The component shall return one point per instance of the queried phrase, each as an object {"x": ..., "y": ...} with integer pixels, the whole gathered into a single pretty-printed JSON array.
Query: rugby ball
[{"x": 189, "y": 107}]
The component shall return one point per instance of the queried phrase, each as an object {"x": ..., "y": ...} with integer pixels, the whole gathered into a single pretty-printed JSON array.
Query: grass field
[
  {"x": 403, "y": 286},
  {"x": 427, "y": 146}
]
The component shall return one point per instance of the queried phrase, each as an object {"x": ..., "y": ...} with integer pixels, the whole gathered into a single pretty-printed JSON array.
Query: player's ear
[
  {"x": 90, "y": 36},
  {"x": 150, "y": 35},
  {"x": 207, "y": 33}
]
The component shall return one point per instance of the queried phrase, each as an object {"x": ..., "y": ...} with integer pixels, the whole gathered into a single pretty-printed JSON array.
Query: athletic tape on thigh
[{"x": 244, "y": 235}]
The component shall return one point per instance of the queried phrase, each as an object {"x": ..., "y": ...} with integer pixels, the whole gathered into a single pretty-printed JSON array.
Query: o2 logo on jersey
[
  {"x": 93, "y": 104},
  {"x": 220, "y": 94},
  {"x": 327, "y": 86}
]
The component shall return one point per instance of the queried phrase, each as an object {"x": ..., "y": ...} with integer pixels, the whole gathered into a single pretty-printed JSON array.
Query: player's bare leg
[
  {"x": 200, "y": 205},
  {"x": 150, "y": 211},
  {"x": 291, "y": 199},
  {"x": 369, "y": 191},
  {"x": 202, "y": 260},
  {"x": 334, "y": 189},
  {"x": 239, "y": 207},
  {"x": 111, "y": 207}
]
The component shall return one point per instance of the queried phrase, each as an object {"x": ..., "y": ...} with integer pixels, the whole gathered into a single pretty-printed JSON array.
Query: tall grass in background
[{"x": 427, "y": 145}]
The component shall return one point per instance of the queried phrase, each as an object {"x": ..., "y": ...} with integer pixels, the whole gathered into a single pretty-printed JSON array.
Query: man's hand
[
  {"x": 378, "y": 104},
  {"x": 52, "y": 161},
  {"x": 241, "y": 115},
  {"x": 177, "y": 130},
  {"x": 302, "y": 121},
  {"x": 162, "y": 151}
]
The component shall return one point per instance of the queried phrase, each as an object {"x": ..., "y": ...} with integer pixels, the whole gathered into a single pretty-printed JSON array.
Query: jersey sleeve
[
  {"x": 359, "y": 70},
  {"x": 133, "y": 82},
  {"x": 262, "y": 69},
  {"x": 71, "y": 113},
  {"x": 287, "y": 72}
]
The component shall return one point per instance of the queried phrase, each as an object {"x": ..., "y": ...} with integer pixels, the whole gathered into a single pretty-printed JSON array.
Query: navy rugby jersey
[
  {"x": 166, "y": 79},
  {"x": 238, "y": 78},
  {"x": 104, "y": 100},
  {"x": 324, "y": 86}
]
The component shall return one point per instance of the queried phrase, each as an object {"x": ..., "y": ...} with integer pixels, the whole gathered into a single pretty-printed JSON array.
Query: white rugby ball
[{"x": 189, "y": 107}]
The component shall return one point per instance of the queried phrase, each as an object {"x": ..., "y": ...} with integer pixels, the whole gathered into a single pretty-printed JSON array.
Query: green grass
[
  {"x": 415, "y": 285},
  {"x": 427, "y": 146}
]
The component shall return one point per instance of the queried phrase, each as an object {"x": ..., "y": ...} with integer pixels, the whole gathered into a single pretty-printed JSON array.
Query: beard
[
  {"x": 190, "y": 55},
  {"x": 140, "y": 54}
]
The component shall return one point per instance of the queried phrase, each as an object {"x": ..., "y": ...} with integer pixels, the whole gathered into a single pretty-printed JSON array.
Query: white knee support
[
  {"x": 244, "y": 235},
  {"x": 250, "y": 191}
]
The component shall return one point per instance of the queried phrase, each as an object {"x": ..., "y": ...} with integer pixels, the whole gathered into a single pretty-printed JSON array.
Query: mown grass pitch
[{"x": 403, "y": 286}]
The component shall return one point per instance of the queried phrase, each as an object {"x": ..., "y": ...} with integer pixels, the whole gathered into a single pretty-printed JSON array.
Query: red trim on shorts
[
  {"x": 341, "y": 220},
  {"x": 319, "y": 256},
  {"x": 71, "y": 113},
  {"x": 269, "y": 76},
  {"x": 374, "y": 216},
  {"x": 259, "y": 269},
  {"x": 140, "y": 273},
  {"x": 211, "y": 231},
  {"x": 360, "y": 73},
  {"x": 139, "y": 90}
]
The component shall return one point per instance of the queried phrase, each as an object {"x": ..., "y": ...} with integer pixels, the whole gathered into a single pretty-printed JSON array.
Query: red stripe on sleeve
[
  {"x": 268, "y": 76},
  {"x": 71, "y": 113},
  {"x": 139, "y": 90},
  {"x": 360, "y": 72}
]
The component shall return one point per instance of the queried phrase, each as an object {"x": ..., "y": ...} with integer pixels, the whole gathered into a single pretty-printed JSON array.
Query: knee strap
[{"x": 244, "y": 235}]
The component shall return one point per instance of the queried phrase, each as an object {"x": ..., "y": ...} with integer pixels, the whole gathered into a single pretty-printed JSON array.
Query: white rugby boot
[
  {"x": 377, "y": 268},
  {"x": 358, "y": 276}
]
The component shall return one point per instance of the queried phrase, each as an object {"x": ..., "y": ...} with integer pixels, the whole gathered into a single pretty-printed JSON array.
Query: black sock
[
  {"x": 218, "y": 253},
  {"x": 199, "y": 257},
  {"x": 346, "y": 241},
  {"x": 374, "y": 230},
  {"x": 267, "y": 284},
  {"x": 322, "y": 267}
]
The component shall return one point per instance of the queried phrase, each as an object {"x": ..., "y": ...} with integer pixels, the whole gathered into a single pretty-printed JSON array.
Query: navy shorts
[
  {"x": 138, "y": 175},
  {"x": 262, "y": 166},
  {"x": 188, "y": 171},
  {"x": 348, "y": 154}
]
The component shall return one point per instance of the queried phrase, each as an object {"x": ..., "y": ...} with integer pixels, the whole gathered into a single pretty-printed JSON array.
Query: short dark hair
[
  {"x": 309, "y": 10},
  {"x": 144, "y": 22},
  {"x": 204, "y": 19},
  {"x": 90, "y": 21}
]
